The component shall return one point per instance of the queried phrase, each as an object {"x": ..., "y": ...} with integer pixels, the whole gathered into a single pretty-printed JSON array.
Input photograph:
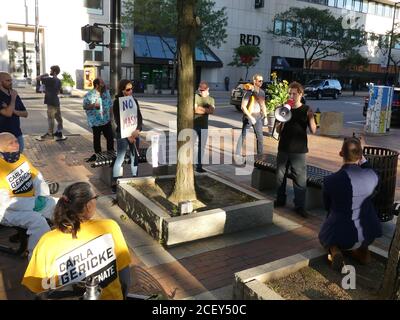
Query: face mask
[{"x": 10, "y": 157}]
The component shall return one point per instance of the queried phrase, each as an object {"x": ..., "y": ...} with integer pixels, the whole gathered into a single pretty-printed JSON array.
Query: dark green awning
[{"x": 150, "y": 49}]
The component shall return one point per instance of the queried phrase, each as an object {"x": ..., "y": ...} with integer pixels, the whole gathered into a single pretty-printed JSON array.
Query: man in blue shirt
[{"x": 11, "y": 109}]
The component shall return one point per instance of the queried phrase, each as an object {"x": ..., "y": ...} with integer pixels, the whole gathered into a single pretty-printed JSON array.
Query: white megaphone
[{"x": 283, "y": 114}]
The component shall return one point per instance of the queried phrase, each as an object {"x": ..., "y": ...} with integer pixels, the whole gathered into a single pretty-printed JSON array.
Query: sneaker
[
  {"x": 59, "y": 136},
  {"x": 335, "y": 256},
  {"x": 200, "y": 170},
  {"x": 302, "y": 212},
  {"x": 278, "y": 204},
  {"x": 46, "y": 136}
]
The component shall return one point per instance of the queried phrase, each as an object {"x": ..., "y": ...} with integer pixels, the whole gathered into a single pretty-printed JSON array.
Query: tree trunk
[
  {"x": 390, "y": 284},
  {"x": 174, "y": 67},
  {"x": 184, "y": 184}
]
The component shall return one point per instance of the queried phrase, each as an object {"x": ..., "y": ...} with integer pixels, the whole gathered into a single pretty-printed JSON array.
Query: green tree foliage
[
  {"x": 160, "y": 17},
  {"x": 245, "y": 56},
  {"x": 382, "y": 43},
  {"x": 318, "y": 33},
  {"x": 353, "y": 61}
]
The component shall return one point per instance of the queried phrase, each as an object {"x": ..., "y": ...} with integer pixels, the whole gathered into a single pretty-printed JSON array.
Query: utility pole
[
  {"x": 24, "y": 41},
  {"x": 390, "y": 44},
  {"x": 37, "y": 44},
  {"x": 115, "y": 45}
]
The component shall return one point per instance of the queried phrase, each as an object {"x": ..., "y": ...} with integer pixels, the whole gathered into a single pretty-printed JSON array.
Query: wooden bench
[{"x": 264, "y": 178}]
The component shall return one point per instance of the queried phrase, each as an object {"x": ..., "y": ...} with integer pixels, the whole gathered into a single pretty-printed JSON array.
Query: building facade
[
  {"x": 146, "y": 59},
  {"x": 250, "y": 25}
]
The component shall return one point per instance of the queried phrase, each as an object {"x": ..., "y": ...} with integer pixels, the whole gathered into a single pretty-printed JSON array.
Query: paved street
[{"x": 159, "y": 111}]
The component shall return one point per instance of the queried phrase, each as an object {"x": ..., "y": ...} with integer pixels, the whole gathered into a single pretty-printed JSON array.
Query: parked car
[
  {"x": 395, "y": 119},
  {"x": 323, "y": 88}
]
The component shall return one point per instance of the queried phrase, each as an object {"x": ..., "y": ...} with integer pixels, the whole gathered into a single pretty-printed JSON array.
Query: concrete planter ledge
[
  {"x": 250, "y": 284},
  {"x": 170, "y": 231}
]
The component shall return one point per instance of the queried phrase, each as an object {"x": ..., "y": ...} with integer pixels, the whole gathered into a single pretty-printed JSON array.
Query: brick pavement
[{"x": 197, "y": 271}]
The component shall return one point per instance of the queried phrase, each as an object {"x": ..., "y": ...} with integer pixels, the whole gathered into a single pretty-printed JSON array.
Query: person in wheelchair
[
  {"x": 25, "y": 199},
  {"x": 80, "y": 247}
]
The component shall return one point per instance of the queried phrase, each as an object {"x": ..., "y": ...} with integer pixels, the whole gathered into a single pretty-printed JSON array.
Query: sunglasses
[
  {"x": 129, "y": 89},
  {"x": 95, "y": 197}
]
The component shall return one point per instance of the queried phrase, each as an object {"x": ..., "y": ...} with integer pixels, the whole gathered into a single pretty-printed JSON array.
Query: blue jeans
[
  {"x": 258, "y": 130},
  {"x": 122, "y": 146},
  {"x": 296, "y": 164},
  {"x": 21, "y": 143}
]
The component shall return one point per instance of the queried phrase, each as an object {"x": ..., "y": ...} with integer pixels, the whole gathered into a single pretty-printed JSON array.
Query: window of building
[
  {"x": 365, "y": 6},
  {"x": 349, "y": 4},
  {"x": 94, "y": 6},
  {"x": 372, "y": 7},
  {"x": 341, "y": 3},
  {"x": 357, "y": 5},
  {"x": 332, "y": 3},
  {"x": 299, "y": 29},
  {"x": 380, "y": 10},
  {"x": 278, "y": 27},
  {"x": 388, "y": 11},
  {"x": 290, "y": 31},
  {"x": 97, "y": 54}
]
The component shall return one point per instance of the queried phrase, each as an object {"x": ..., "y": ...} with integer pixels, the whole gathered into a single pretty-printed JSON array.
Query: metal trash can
[{"x": 384, "y": 162}]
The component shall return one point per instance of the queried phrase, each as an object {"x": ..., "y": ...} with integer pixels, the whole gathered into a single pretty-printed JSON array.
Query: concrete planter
[
  {"x": 175, "y": 230},
  {"x": 250, "y": 284}
]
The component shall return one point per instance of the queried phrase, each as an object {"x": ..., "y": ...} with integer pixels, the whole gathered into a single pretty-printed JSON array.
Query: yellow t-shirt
[
  {"x": 100, "y": 250},
  {"x": 18, "y": 177}
]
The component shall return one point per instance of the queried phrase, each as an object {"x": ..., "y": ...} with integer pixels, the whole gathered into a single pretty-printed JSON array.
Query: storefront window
[{"x": 332, "y": 3}]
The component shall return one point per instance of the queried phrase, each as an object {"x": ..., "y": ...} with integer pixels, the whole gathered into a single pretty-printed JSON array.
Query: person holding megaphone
[
  {"x": 254, "y": 111},
  {"x": 292, "y": 147}
]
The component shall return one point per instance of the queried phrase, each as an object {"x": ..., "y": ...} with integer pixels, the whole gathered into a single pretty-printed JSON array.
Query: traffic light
[
  {"x": 92, "y": 34},
  {"x": 259, "y": 4}
]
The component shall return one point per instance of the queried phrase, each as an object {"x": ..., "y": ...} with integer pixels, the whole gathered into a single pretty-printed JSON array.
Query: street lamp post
[
  {"x": 115, "y": 45},
  {"x": 24, "y": 41},
  {"x": 37, "y": 44},
  {"x": 391, "y": 42}
]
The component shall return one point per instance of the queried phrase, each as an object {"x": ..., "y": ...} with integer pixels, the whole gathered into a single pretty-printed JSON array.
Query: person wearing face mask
[
  {"x": 125, "y": 88},
  {"x": 98, "y": 106},
  {"x": 80, "y": 246},
  {"x": 11, "y": 109},
  {"x": 203, "y": 106},
  {"x": 24, "y": 195}
]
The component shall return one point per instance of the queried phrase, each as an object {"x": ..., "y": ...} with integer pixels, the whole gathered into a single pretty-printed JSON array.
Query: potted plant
[
  {"x": 246, "y": 56},
  {"x": 67, "y": 83},
  {"x": 277, "y": 95}
]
